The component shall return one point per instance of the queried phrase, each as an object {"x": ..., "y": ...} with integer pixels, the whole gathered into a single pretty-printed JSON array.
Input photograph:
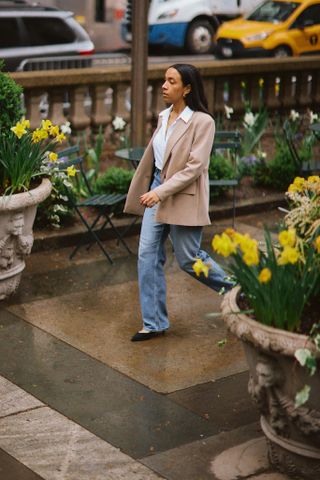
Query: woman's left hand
[{"x": 149, "y": 199}]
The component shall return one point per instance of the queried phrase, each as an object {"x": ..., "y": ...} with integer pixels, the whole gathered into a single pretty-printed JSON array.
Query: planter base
[
  {"x": 293, "y": 433},
  {"x": 299, "y": 460},
  {"x": 17, "y": 213}
]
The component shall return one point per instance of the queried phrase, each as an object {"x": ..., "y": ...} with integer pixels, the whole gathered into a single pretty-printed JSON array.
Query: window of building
[{"x": 100, "y": 11}]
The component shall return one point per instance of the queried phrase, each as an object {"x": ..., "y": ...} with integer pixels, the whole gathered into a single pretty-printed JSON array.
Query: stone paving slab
[
  {"x": 11, "y": 469},
  {"x": 14, "y": 400},
  {"x": 100, "y": 399},
  {"x": 101, "y": 322},
  {"x": 58, "y": 449},
  {"x": 226, "y": 400},
  {"x": 237, "y": 455},
  {"x": 193, "y": 461}
]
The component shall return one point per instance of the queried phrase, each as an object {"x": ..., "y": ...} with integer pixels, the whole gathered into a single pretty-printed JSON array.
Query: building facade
[{"x": 101, "y": 19}]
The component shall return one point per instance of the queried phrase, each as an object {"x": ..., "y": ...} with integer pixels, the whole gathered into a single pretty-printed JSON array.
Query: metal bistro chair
[
  {"x": 133, "y": 155},
  {"x": 102, "y": 203},
  {"x": 231, "y": 141}
]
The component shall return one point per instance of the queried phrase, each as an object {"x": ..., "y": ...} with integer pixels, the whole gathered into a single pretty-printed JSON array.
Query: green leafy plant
[
  {"x": 10, "y": 102},
  {"x": 56, "y": 210},
  {"x": 277, "y": 172},
  {"x": 220, "y": 167},
  {"x": 279, "y": 280},
  {"x": 114, "y": 180}
]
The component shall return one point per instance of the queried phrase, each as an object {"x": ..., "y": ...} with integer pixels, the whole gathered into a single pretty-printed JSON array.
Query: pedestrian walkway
[{"x": 79, "y": 401}]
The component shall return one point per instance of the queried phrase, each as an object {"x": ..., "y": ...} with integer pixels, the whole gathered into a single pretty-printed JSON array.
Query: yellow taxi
[{"x": 277, "y": 28}]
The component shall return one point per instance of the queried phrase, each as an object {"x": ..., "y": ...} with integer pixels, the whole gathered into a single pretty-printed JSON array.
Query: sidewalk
[{"x": 79, "y": 401}]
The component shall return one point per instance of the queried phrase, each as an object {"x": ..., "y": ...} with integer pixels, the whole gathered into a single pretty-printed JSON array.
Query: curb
[{"x": 69, "y": 236}]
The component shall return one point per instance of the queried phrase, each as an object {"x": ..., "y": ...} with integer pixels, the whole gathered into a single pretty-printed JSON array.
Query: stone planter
[
  {"x": 293, "y": 434},
  {"x": 17, "y": 214}
]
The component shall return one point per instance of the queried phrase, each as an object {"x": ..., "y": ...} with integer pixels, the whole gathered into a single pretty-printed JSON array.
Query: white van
[{"x": 187, "y": 24}]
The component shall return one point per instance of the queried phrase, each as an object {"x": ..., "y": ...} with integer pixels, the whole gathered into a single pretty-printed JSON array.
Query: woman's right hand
[{"x": 149, "y": 199}]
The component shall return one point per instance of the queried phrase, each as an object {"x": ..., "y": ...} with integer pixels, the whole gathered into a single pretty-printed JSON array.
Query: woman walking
[{"x": 170, "y": 189}]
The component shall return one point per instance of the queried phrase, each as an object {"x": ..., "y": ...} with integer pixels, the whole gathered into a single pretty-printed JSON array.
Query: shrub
[
  {"x": 219, "y": 168},
  {"x": 10, "y": 102},
  {"x": 278, "y": 172},
  {"x": 114, "y": 180}
]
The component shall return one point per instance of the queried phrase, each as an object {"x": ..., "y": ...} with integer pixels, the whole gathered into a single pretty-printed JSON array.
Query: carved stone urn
[
  {"x": 293, "y": 434},
  {"x": 17, "y": 214}
]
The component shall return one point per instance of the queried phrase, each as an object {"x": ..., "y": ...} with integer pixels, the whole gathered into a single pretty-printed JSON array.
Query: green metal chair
[
  {"x": 101, "y": 203},
  {"x": 230, "y": 141}
]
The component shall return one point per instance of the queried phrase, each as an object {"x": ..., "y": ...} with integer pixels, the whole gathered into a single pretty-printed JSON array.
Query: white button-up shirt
[{"x": 161, "y": 138}]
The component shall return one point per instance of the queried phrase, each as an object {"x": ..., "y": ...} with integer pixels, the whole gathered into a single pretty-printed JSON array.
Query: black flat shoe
[{"x": 141, "y": 336}]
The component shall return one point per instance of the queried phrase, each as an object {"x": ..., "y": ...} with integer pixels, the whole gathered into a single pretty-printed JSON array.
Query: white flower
[
  {"x": 249, "y": 119},
  {"x": 294, "y": 115},
  {"x": 118, "y": 123},
  {"x": 313, "y": 117},
  {"x": 228, "y": 111},
  {"x": 65, "y": 128}
]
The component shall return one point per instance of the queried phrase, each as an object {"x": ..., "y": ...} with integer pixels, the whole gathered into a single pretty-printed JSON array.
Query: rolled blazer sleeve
[{"x": 197, "y": 162}]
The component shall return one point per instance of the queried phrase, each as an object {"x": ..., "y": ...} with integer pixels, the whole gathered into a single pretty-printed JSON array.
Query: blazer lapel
[{"x": 177, "y": 133}]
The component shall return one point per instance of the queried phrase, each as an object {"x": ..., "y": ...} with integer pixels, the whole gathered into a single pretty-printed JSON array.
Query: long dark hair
[{"x": 196, "y": 98}]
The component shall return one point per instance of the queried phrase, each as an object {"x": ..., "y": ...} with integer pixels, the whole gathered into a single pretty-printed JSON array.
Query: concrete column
[{"x": 139, "y": 72}]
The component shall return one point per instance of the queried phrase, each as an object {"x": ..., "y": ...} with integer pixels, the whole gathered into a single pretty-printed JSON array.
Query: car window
[
  {"x": 47, "y": 31},
  {"x": 9, "y": 33},
  {"x": 310, "y": 16},
  {"x": 274, "y": 12}
]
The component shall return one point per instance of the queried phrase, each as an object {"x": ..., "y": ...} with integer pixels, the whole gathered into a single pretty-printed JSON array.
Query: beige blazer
[{"x": 184, "y": 192}]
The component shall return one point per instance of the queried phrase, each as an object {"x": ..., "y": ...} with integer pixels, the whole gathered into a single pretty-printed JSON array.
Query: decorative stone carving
[
  {"x": 17, "y": 213},
  {"x": 293, "y": 434}
]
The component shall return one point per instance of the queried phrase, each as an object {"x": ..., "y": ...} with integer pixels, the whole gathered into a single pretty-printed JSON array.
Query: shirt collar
[{"x": 185, "y": 115}]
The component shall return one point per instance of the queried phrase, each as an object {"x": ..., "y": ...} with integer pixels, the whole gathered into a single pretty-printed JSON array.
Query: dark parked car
[{"x": 28, "y": 31}]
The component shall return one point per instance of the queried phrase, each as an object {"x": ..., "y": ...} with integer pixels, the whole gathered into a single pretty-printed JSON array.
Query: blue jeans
[{"x": 151, "y": 260}]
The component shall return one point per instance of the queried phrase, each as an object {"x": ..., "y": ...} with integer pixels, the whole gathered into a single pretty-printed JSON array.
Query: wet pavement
[{"x": 78, "y": 400}]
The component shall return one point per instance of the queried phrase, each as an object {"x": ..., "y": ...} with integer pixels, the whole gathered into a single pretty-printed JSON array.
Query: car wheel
[
  {"x": 282, "y": 51},
  {"x": 199, "y": 37}
]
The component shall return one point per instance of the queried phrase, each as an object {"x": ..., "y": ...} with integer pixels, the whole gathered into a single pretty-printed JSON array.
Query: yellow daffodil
[
  {"x": 25, "y": 123},
  {"x": 247, "y": 243},
  {"x": 288, "y": 255},
  {"x": 54, "y": 130},
  {"x": 317, "y": 244},
  {"x": 265, "y": 275},
  {"x": 46, "y": 125},
  {"x": 297, "y": 185},
  {"x": 313, "y": 179},
  {"x": 261, "y": 82},
  {"x": 251, "y": 257},
  {"x": 230, "y": 232},
  {"x": 53, "y": 156},
  {"x": 36, "y": 136},
  {"x": 19, "y": 130},
  {"x": 60, "y": 137},
  {"x": 287, "y": 237},
  {"x": 71, "y": 171},
  {"x": 223, "y": 245},
  {"x": 200, "y": 267}
]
